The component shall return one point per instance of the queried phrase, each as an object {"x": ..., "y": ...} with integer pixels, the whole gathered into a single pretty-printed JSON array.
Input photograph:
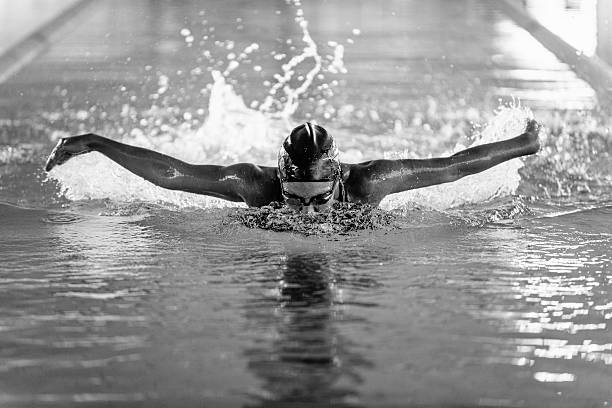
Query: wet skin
[
  {"x": 310, "y": 196},
  {"x": 368, "y": 182}
]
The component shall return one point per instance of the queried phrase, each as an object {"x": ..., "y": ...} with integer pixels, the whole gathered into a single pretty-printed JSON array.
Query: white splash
[
  {"x": 498, "y": 181},
  {"x": 233, "y": 133},
  {"x": 292, "y": 95}
]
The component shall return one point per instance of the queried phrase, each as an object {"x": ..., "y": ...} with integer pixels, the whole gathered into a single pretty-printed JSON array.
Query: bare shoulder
[
  {"x": 365, "y": 182},
  {"x": 257, "y": 185}
]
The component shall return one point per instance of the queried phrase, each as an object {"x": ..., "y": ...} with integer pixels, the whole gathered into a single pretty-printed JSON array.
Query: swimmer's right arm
[{"x": 238, "y": 182}]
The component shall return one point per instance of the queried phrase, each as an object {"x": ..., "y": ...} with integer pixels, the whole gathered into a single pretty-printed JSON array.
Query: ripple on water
[
  {"x": 75, "y": 398},
  {"x": 62, "y": 218}
]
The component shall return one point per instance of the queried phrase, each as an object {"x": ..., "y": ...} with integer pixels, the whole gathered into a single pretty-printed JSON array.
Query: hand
[
  {"x": 66, "y": 148},
  {"x": 532, "y": 130}
]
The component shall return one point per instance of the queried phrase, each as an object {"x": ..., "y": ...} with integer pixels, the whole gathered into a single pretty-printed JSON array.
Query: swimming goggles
[{"x": 296, "y": 197}]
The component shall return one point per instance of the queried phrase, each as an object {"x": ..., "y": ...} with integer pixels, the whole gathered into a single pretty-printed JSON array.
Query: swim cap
[{"x": 308, "y": 152}]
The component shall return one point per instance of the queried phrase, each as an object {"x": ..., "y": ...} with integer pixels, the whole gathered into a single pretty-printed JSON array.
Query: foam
[
  {"x": 234, "y": 132},
  {"x": 501, "y": 180}
]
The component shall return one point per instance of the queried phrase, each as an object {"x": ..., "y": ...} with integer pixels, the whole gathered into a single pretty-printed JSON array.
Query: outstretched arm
[
  {"x": 252, "y": 184},
  {"x": 372, "y": 181}
]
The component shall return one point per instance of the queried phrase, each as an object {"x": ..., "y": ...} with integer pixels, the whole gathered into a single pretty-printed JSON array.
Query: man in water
[{"x": 309, "y": 176}]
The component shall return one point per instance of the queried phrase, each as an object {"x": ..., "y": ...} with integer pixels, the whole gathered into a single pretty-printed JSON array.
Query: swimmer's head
[{"x": 309, "y": 168}]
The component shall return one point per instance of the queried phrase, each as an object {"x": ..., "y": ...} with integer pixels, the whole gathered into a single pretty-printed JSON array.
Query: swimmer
[{"x": 309, "y": 176}]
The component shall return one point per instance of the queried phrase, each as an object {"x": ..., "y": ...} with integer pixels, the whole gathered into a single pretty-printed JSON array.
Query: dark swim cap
[{"x": 307, "y": 152}]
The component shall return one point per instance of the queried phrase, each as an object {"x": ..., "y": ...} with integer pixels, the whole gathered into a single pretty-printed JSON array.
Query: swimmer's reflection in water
[
  {"x": 309, "y": 176},
  {"x": 308, "y": 361}
]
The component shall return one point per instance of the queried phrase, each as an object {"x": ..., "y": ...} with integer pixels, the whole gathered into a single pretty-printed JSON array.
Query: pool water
[{"x": 492, "y": 291}]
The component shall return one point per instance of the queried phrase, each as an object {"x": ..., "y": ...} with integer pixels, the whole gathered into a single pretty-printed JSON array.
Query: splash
[
  {"x": 501, "y": 180},
  {"x": 292, "y": 95},
  {"x": 341, "y": 219},
  {"x": 234, "y": 132},
  {"x": 252, "y": 135}
]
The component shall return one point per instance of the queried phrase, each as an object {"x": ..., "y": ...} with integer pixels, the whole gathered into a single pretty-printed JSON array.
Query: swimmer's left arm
[{"x": 382, "y": 177}]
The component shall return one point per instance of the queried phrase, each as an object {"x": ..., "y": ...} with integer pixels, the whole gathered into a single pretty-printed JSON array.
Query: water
[{"x": 493, "y": 291}]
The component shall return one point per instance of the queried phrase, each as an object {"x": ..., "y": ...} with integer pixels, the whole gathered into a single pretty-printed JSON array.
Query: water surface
[{"x": 495, "y": 291}]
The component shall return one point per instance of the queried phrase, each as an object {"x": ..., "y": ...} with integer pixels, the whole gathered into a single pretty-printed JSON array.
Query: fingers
[
  {"x": 56, "y": 156},
  {"x": 533, "y": 127},
  {"x": 68, "y": 147},
  {"x": 532, "y": 130}
]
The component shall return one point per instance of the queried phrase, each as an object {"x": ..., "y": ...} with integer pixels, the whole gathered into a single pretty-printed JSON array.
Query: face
[{"x": 309, "y": 196}]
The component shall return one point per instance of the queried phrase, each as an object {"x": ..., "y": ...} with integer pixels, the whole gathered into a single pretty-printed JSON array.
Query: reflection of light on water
[
  {"x": 110, "y": 251},
  {"x": 563, "y": 286},
  {"x": 78, "y": 314},
  {"x": 544, "y": 376},
  {"x": 558, "y": 308}
]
